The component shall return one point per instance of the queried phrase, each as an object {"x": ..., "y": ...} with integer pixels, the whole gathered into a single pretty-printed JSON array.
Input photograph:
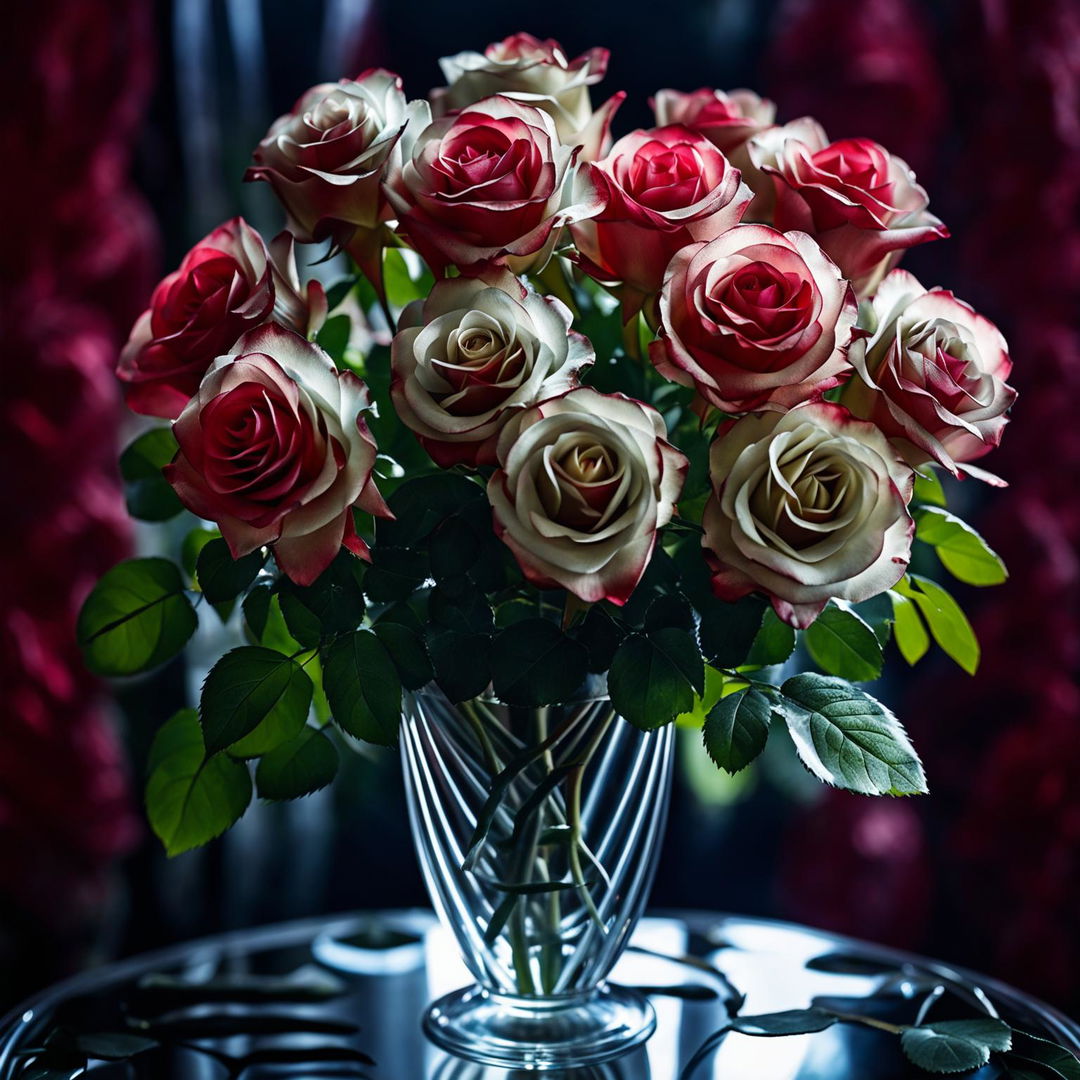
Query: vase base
[{"x": 494, "y": 1030}]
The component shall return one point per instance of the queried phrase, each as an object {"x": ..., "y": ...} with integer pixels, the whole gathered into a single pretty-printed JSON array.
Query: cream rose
[
  {"x": 472, "y": 354},
  {"x": 537, "y": 73},
  {"x": 807, "y": 506},
  {"x": 585, "y": 481},
  {"x": 932, "y": 375}
]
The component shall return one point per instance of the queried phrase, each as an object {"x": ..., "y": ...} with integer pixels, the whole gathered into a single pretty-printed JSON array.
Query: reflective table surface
[{"x": 343, "y": 997}]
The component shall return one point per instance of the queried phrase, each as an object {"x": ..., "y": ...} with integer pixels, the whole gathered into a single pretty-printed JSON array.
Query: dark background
[{"x": 124, "y": 131}]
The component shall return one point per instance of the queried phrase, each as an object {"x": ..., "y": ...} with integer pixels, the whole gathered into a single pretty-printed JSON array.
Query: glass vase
[{"x": 538, "y": 832}]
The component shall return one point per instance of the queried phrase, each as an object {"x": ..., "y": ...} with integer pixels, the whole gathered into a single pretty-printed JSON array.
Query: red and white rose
[
  {"x": 755, "y": 318},
  {"x": 538, "y": 73},
  {"x": 585, "y": 480},
  {"x": 488, "y": 185},
  {"x": 473, "y": 353},
  {"x": 858, "y": 201},
  {"x": 274, "y": 448},
  {"x": 807, "y": 506},
  {"x": 662, "y": 189},
  {"x": 727, "y": 119},
  {"x": 931, "y": 375},
  {"x": 228, "y": 283}
]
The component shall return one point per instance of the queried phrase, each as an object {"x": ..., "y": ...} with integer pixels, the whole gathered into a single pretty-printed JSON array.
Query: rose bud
[
  {"x": 807, "y": 506},
  {"x": 536, "y": 73},
  {"x": 227, "y": 284},
  {"x": 727, "y": 120},
  {"x": 663, "y": 189},
  {"x": 327, "y": 158},
  {"x": 932, "y": 375},
  {"x": 488, "y": 185},
  {"x": 585, "y": 481},
  {"x": 860, "y": 203},
  {"x": 755, "y": 318},
  {"x": 274, "y": 449},
  {"x": 472, "y": 354}
]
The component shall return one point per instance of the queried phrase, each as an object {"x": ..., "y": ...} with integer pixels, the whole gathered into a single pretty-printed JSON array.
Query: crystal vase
[{"x": 538, "y": 832}]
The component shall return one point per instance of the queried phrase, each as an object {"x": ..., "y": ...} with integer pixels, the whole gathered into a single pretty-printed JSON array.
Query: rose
[
  {"x": 474, "y": 352},
  {"x": 807, "y": 506},
  {"x": 932, "y": 375},
  {"x": 727, "y": 120},
  {"x": 755, "y": 318},
  {"x": 536, "y": 73},
  {"x": 274, "y": 449},
  {"x": 488, "y": 185},
  {"x": 585, "y": 481},
  {"x": 860, "y": 203},
  {"x": 227, "y": 284},
  {"x": 326, "y": 160},
  {"x": 663, "y": 189}
]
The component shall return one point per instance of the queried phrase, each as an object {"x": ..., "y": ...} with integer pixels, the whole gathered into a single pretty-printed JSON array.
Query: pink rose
[
  {"x": 536, "y": 73},
  {"x": 932, "y": 375},
  {"x": 229, "y": 283},
  {"x": 727, "y": 120},
  {"x": 472, "y": 354},
  {"x": 488, "y": 185},
  {"x": 663, "y": 189},
  {"x": 755, "y": 318},
  {"x": 860, "y": 203},
  {"x": 807, "y": 506},
  {"x": 326, "y": 160},
  {"x": 585, "y": 481},
  {"x": 274, "y": 449}
]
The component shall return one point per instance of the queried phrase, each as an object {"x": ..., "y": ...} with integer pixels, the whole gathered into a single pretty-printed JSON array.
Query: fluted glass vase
[{"x": 538, "y": 832}]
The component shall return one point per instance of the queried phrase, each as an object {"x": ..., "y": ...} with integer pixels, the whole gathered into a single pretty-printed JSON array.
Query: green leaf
[
  {"x": 840, "y": 643},
  {"x": 928, "y": 487},
  {"x": 962, "y": 551},
  {"x": 149, "y": 496},
  {"x": 253, "y": 690},
  {"x": 1043, "y": 1052},
  {"x": 406, "y": 648},
  {"x": 600, "y": 635},
  {"x": 303, "y": 624},
  {"x": 670, "y": 610},
  {"x": 909, "y": 630},
  {"x": 462, "y": 662},
  {"x": 948, "y": 624},
  {"x": 189, "y": 799},
  {"x": 298, "y": 767},
  {"x": 650, "y": 677},
  {"x": 454, "y": 548},
  {"x": 135, "y": 618},
  {"x": 395, "y": 573},
  {"x": 256, "y": 608},
  {"x": 336, "y": 293},
  {"x": 736, "y": 729},
  {"x": 789, "y": 1022},
  {"x": 363, "y": 688},
  {"x": 877, "y": 613},
  {"x": 221, "y": 577},
  {"x": 334, "y": 336},
  {"x": 113, "y": 1045},
  {"x": 192, "y": 545},
  {"x": 534, "y": 663},
  {"x": 728, "y": 630},
  {"x": 334, "y": 602},
  {"x": 846, "y": 738},
  {"x": 952, "y": 1046},
  {"x": 421, "y": 504},
  {"x": 401, "y": 286},
  {"x": 773, "y": 643}
]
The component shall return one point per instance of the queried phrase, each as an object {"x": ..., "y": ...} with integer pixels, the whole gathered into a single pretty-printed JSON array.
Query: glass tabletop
[{"x": 343, "y": 997}]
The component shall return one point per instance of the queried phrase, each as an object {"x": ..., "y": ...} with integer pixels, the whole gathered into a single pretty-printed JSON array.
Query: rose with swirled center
[
  {"x": 584, "y": 483},
  {"x": 726, "y": 119},
  {"x": 663, "y": 189},
  {"x": 274, "y": 448},
  {"x": 488, "y": 185},
  {"x": 227, "y": 284},
  {"x": 931, "y": 375},
  {"x": 473, "y": 353},
  {"x": 538, "y": 73},
  {"x": 858, "y": 201},
  {"x": 807, "y": 506},
  {"x": 755, "y": 318}
]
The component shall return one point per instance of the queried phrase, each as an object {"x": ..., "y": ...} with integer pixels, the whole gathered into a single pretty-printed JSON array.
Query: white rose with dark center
[{"x": 474, "y": 353}]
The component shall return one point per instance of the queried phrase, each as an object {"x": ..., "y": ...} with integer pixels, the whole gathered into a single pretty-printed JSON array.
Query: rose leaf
[
  {"x": 840, "y": 643},
  {"x": 298, "y": 767},
  {"x": 149, "y": 496},
  {"x": 534, "y": 663},
  {"x": 736, "y": 729},
  {"x": 363, "y": 688}
]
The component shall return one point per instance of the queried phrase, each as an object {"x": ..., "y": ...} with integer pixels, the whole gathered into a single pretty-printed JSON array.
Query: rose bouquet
[{"x": 587, "y": 427}]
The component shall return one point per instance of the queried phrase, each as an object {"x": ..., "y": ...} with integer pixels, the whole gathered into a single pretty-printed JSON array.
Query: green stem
[{"x": 573, "y": 814}]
